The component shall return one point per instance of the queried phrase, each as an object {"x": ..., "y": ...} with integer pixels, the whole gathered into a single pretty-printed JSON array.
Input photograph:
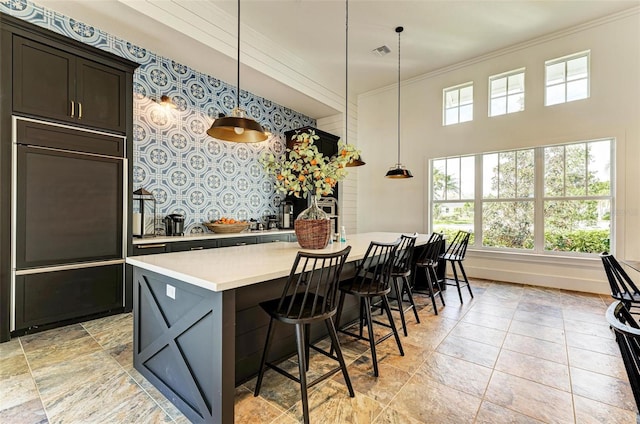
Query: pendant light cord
[
  {"x": 399, "y": 31},
  {"x": 238, "y": 74},
  {"x": 346, "y": 72}
]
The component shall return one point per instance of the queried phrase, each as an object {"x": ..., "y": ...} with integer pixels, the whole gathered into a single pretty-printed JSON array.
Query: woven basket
[
  {"x": 312, "y": 233},
  {"x": 226, "y": 228}
]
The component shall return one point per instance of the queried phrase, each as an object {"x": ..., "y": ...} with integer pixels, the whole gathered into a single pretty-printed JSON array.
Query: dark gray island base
[{"x": 198, "y": 329}]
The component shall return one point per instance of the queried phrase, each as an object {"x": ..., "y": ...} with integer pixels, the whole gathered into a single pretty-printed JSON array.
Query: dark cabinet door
[
  {"x": 100, "y": 94},
  {"x": 51, "y": 83},
  {"x": 49, "y": 297},
  {"x": 43, "y": 80}
]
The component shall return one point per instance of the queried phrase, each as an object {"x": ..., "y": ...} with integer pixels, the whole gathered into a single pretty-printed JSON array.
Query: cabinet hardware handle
[
  {"x": 241, "y": 244},
  {"x": 275, "y": 241},
  {"x": 197, "y": 248},
  {"x": 150, "y": 246},
  {"x": 79, "y": 110},
  {"x": 73, "y": 108}
]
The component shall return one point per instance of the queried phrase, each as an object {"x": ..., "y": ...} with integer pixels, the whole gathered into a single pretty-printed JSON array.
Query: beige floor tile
[
  {"x": 16, "y": 390},
  {"x": 487, "y": 320},
  {"x": 114, "y": 336},
  {"x": 428, "y": 401},
  {"x": 539, "y": 318},
  {"x": 490, "y": 413},
  {"x": 469, "y": 350},
  {"x": 479, "y": 333},
  {"x": 30, "y": 412},
  {"x": 391, "y": 416},
  {"x": 10, "y": 348},
  {"x": 539, "y": 370},
  {"x": 597, "y": 362},
  {"x": 589, "y": 411},
  {"x": 13, "y": 365},
  {"x": 535, "y": 347},
  {"x": 49, "y": 338},
  {"x": 602, "y": 388},
  {"x": 530, "y": 398},
  {"x": 413, "y": 357},
  {"x": 456, "y": 373},
  {"x": 555, "y": 335},
  {"x": 250, "y": 409},
  {"x": 593, "y": 329},
  {"x": 530, "y": 305},
  {"x": 111, "y": 322},
  {"x": 594, "y": 343},
  {"x": 62, "y": 351},
  {"x": 491, "y": 308}
]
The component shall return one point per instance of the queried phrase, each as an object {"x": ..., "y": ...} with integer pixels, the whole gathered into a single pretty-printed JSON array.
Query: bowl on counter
[{"x": 226, "y": 228}]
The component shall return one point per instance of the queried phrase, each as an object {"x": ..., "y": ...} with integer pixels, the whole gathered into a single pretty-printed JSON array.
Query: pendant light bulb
[{"x": 238, "y": 130}]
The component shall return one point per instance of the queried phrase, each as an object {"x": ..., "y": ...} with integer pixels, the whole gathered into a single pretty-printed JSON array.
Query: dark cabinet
[
  {"x": 44, "y": 298},
  {"x": 184, "y": 246},
  {"x": 51, "y": 83},
  {"x": 237, "y": 241},
  {"x": 149, "y": 249}
]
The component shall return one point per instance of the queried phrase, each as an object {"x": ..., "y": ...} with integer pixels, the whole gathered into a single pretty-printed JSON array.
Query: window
[
  {"x": 458, "y": 104},
  {"x": 506, "y": 93},
  {"x": 567, "y": 79},
  {"x": 546, "y": 199},
  {"x": 453, "y": 187}
]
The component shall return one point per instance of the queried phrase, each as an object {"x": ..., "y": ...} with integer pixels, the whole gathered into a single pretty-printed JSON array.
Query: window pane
[
  {"x": 599, "y": 167},
  {"x": 507, "y": 188},
  {"x": 516, "y": 83},
  {"x": 526, "y": 173},
  {"x": 438, "y": 179},
  {"x": 577, "y": 90},
  {"x": 555, "y": 73},
  {"x": 515, "y": 103},
  {"x": 467, "y": 177},
  {"x": 498, "y": 106},
  {"x": 451, "y": 116},
  {"x": 498, "y": 87},
  {"x": 555, "y": 95},
  {"x": 577, "y": 226},
  {"x": 448, "y": 218},
  {"x": 554, "y": 171},
  {"x": 451, "y": 98},
  {"x": 466, "y": 113},
  {"x": 489, "y": 176},
  {"x": 507, "y": 224},
  {"x": 576, "y": 170},
  {"x": 466, "y": 95},
  {"x": 577, "y": 68},
  {"x": 453, "y": 179}
]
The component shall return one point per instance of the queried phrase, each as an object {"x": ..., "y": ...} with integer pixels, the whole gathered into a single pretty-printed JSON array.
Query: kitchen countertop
[
  {"x": 238, "y": 266},
  {"x": 206, "y": 236}
]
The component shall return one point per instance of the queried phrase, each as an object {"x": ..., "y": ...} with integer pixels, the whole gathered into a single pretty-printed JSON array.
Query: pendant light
[
  {"x": 238, "y": 127},
  {"x": 398, "y": 171},
  {"x": 358, "y": 161}
]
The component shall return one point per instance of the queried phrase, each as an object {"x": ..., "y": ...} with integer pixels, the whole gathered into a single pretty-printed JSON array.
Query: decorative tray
[{"x": 226, "y": 228}]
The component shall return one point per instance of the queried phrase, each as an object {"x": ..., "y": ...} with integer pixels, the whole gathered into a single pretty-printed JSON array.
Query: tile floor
[{"x": 514, "y": 354}]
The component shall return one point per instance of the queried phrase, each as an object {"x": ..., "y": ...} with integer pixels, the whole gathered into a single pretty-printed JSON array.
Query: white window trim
[
  {"x": 547, "y": 63},
  {"x": 507, "y": 75},
  {"x": 444, "y": 102}
]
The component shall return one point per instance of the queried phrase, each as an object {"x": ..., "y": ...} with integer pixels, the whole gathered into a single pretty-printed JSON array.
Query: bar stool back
[
  {"x": 372, "y": 281},
  {"x": 309, "y": 296},
  {"x": 455, "y": 255},
  {"x": 428, "y": 261},
  {"x": 400, "y": 277},
  {"x": 622, "y": 286}
]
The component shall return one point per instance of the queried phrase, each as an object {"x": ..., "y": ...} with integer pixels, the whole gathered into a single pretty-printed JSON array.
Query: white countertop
[
  {"x": 205, "y": 236},
  {"x": 232, "y": 267}
]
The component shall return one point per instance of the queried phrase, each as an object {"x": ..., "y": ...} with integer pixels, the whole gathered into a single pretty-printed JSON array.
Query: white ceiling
[{"x": 293, "y": 51}]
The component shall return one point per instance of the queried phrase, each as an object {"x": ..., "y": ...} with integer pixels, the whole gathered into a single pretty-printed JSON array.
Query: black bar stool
[
  {"x": 428, "y": 261},
  {"x": 309, "y": 296},
  {"x": 372, "y": 281},
  {"x": 400, "y": 274},
  {"x": 455, "y": 255},
  {"x": 622, "y": 286}
]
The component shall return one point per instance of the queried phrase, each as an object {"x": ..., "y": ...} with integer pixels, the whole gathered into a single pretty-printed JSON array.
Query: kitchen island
[{"x": 198, "y": 329}]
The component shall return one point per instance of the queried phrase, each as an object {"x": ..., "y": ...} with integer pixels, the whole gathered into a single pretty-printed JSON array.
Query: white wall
[{"x": 613, "y": 110}]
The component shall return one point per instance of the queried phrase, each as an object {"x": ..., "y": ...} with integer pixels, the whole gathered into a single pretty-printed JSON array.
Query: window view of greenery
[
  {"x": 577, "y": 197},
  {"x": 573, "y": 206},
  {"x": 507, "y": 207},
  {"x": 453, "y": 183}
]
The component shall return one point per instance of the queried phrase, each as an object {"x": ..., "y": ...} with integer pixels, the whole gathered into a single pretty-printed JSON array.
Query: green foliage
[{"x": 586, "y": 241}]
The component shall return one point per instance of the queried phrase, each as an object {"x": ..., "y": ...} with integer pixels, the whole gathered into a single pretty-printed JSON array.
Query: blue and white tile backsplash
[{"x": 173, "y": 157}]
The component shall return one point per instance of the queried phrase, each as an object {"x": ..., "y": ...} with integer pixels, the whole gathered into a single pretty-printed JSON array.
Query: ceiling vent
[{"x": 381, "y": 51}]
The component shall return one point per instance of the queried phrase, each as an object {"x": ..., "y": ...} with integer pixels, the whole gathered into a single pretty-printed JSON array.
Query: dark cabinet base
[{"x": 50, "y": 297}]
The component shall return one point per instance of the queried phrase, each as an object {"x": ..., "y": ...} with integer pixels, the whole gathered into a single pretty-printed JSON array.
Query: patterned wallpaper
[{"x": 173, "y": 157}]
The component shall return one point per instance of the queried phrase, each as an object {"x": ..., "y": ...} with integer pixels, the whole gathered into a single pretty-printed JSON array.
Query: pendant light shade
[
  {"x": 358, "y": 161},
  {"x": 238, "y": 127},
  {"x": 398, "y": 170}
]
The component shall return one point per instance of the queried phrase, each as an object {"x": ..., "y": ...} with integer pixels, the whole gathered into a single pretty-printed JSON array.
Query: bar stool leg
[
  {"x": 465, "y": 278},
  {"x": 302, "y": 366},
  {"x": 398, "y": 291},
  {"x": 431, "y": 293},
  {"x": 336, "y": 345},
  {"x": 385, "y": 302},
  {"x": 407, "y": 288},
  {"x": 267, "y": 347},
  {"x": 455, "y": 276},
  {"x": 372, "y": 342}
]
